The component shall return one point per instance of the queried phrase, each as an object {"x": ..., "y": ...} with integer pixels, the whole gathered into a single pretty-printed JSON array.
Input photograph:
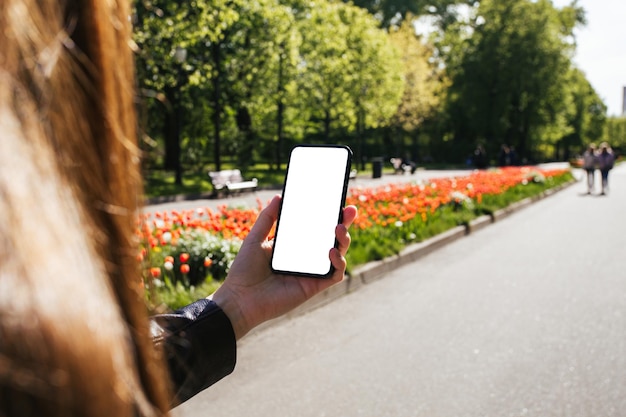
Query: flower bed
[
  {"x": 185, "y": 254},
  {"x": 393, "y": 216}
]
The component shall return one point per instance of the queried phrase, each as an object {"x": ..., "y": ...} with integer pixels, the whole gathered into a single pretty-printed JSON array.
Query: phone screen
[{"x": 313, "y": 198}]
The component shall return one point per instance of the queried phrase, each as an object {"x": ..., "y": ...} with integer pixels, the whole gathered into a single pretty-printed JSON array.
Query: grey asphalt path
[{"x": 526, "y": 317}]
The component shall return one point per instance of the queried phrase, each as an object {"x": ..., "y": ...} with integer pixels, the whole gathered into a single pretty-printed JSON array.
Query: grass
[
  {"x": 171, "y": 296},
  {"x": 158, "y": 182}
]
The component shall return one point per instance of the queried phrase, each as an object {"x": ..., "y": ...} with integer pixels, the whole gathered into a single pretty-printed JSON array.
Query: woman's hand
[{"x": 253, "y": 294}]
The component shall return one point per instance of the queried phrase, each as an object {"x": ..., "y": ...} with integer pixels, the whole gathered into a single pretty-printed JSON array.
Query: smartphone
[{"x": 312, "y": 203}]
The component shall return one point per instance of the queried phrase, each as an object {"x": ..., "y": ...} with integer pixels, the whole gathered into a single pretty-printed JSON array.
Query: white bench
[
  {"x": 399, "y": 167},
  {"x": 230, "y": 180}
]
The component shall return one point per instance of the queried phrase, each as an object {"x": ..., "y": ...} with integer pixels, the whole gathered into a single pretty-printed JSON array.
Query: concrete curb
[{"x": 373, "y": 271}]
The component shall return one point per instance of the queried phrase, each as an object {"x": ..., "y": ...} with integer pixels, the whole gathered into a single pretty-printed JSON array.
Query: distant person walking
[
  {"x": 606, "y": 159},
  {"x": 590, "y": 163}
]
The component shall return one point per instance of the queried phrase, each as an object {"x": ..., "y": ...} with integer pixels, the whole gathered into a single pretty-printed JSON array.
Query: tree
[
  {"x": 423, "y": 84},
  {"x": 509, "y": 83},
  {"x": 376, "y": 84},
  {"x": 253, "y": 52},
  {"x": 615, "y": 134},
  {"x": 350, "y": 73},
  {"x": 231, "y": 65},
  {"x": 584, "y": 117},
  {"x": 162, "y": 28},
  {"x": 269, "y": 74}
]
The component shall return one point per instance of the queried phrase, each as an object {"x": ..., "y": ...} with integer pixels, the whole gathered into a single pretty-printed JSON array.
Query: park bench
[
  {"x": 230, "y": 180},
  {"x": 399, "y": 167}
]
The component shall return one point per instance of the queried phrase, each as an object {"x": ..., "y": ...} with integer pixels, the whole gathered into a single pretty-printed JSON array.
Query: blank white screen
[{"x": 312, "y": 200}]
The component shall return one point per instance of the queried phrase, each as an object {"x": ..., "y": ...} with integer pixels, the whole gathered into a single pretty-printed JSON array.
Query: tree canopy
[
  {"x": 510, "y": 77},
  {"x": 245, "y": 80}
]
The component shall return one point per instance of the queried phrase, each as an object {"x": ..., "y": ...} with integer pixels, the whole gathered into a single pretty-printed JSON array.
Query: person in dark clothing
[
  {"x": 590, "y": 164},
  {"x": 480, "y": 157},
  {"x": 606, "y": 160},
  {"x": 504, "y": 157},
  {"x": 75, "y": 335}
]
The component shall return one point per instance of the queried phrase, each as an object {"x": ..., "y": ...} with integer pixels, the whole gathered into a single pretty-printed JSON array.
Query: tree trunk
[
  {"x": 217, "y": 104},
  {"x": 169, "y": 131},
  {"x": 280, "y": 108},
  {"x": 279, "y": 133}
]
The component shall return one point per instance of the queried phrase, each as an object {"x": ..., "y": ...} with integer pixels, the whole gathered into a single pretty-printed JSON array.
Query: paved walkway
[{"x": 526, "y": 317}]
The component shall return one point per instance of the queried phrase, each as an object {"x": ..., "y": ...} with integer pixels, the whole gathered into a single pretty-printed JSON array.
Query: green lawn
[{"x": 162, "y": 183}]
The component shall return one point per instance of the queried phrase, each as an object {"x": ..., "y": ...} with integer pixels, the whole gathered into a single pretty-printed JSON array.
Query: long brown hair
[{"x": 73, "y": 328}]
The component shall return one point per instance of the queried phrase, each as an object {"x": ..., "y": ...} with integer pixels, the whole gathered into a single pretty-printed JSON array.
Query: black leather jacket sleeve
[{"x": 199, "y": 345}]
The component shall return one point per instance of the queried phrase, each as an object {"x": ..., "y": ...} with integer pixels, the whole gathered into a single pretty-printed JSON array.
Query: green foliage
[
  {"x": 511, "y": 79},
  {"x": 264, "y": 75},
  {"x": 379, "y": 242},
  {"x": 201, "y": 245},
  {"x": 420, "y": 99},
  {"x": 159, "y": 183},
  {"x": 170, "y": 295},
  {"x": 209, "y": 257},
  {"x": 349, "y": 69},
  {"x": 259, "y": 70},
  {"x": 615, "y": 133}
]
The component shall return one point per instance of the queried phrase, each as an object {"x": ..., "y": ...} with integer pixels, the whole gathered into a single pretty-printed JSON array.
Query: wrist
[{"x": 231, "y": 308}]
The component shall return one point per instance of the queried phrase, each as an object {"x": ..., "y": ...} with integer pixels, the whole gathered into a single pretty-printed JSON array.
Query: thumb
[{"x": 265, "y": 221}]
